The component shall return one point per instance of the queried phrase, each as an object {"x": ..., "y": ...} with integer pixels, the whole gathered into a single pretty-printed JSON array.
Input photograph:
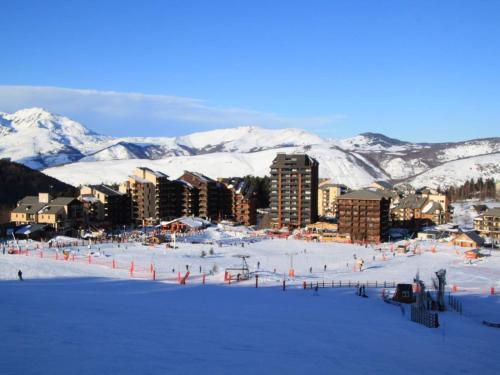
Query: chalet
[
  {"x": 185, "y": 224},
  {"x": 61, "y": 213},
  {"x": 467, "y": 239}
]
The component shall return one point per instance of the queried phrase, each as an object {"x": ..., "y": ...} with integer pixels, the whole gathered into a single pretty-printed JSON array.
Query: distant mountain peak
[{"x": 383, "y": 140}]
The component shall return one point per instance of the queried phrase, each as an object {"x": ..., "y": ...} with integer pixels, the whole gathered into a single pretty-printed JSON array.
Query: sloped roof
[
  {"x": 30, "y": 199},
  {"x": 30, "y": 228},
  {"x": 29, "y": 208},
  {"x": 411, "y": 201},
  {"x": 62, "y": 201},
  {"x": 473, "y": 236},
  {"x": 105, "y": 189},
  {"x": 432, "y": 207},
  {"x": 51, "y": 210}
]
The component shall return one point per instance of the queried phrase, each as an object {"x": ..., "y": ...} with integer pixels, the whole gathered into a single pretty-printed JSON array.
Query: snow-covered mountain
[{"x": 69, "y": 151}]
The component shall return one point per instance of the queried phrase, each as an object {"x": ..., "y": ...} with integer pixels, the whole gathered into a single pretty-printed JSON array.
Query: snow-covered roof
[
  {"x": 431, "y": 207},
  {"x": 30, "y": 228},
  {"x": 139, "y": 179},
  {"x": 193, "y": 222}
]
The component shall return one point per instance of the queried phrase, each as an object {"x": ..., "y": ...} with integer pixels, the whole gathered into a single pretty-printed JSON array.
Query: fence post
[
  {"x": 256, "y": 281},
  {"x": 90, "y": 258},
  {"x": 154, "y": 274},
  {"x": 113, "y": 265},
  {"x": 304, "y": 285},
  {"x": 132, "y": 269},
  {"x": 203, "y": 279},
  {"x": 492, "y": 291},
  {"x": 284, "y": 285}
]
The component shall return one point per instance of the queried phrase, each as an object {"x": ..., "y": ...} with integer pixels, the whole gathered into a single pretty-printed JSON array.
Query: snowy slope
[
  {"x": 91, "y": 318},
  {"x": 458, "y": 171},
  {"x": 40, "y": 139},
  {"x": 341, "y": 166}
]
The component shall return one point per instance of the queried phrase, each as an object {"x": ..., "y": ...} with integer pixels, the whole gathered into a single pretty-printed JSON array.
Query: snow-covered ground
[
  {"x": 80, "y": 318},
  {"x": 71, "y": 152}
]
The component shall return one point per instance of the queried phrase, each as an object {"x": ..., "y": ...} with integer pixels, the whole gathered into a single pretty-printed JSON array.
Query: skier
[
  {"x": 324, "y": 268},
  {"x": 258, "y": 265},
  {"x": 20, "y": 275},
  {"x": 310, "y": 270},
  {"x": 200, "y": 269}
]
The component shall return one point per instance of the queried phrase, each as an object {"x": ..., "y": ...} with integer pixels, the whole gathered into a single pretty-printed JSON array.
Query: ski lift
[{"x": 239, "y": 273}]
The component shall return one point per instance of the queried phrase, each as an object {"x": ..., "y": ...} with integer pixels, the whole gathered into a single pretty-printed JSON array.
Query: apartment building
[
  {"x": 149, "y": 191},
  {"x": 103, "y": 204},
  {"x": 294, "y": 191},
  {"x": 327, "y": 198},
  {"x": 427, "y": 207},
  {"x": 183, "y": 199},
  {"x": 214, "y": 199},
  {"x": 364, "y": 216},
  {"x": 488, "y": 224},
  {"x": 243, "y": 201}
]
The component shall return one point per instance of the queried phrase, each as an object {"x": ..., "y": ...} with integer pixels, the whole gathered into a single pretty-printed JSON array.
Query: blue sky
[{"x": 414, "y": 70}]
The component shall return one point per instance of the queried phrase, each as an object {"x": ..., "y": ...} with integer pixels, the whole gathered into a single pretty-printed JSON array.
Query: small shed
[{"x": 404, "y": 293}]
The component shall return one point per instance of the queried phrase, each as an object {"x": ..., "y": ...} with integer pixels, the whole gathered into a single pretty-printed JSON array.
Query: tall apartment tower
[
  {"x": 150, "y": 191},
  {"x": 294, "y": 190}
]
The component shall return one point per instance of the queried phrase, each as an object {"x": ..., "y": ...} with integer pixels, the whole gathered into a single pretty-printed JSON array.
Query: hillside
[
  {"x": 67, "y": 150},
  {"x": 19, "y": 181}
]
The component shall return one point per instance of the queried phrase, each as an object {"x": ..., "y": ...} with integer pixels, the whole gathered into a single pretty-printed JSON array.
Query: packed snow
[{"x": 72, "y": 316}]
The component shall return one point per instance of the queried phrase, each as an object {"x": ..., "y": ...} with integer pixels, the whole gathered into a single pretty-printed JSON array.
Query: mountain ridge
[{"x": 52, "y": 142}]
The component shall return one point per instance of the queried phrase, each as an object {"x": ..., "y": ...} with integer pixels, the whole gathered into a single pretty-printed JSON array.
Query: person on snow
[
  {"x": 20, "y": 275},
  {"x": 258, "y": 265},
  {"x": 310, "y": 270},
  {"x": 324, "y": 268}
]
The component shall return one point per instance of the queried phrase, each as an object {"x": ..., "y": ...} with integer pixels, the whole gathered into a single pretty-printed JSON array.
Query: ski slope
[{"x": 72, "y": 317}]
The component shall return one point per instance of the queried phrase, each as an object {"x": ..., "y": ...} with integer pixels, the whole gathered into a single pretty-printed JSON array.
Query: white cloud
[{"x": 118, "y": 113}]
